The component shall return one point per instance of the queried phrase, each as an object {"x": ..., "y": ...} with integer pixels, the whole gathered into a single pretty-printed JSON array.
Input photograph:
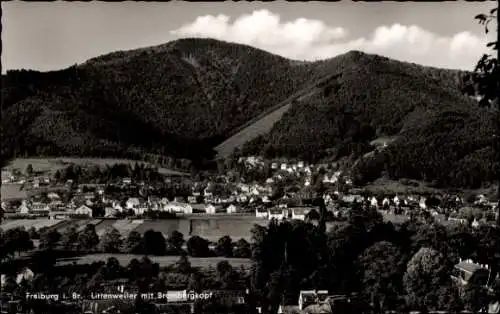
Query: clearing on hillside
[
  {"x": 12, "y": 191},
  {"x": 56, "y": 163}
]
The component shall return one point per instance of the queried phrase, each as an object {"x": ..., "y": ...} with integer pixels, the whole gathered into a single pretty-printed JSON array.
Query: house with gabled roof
[
  {"x": 300, "y": 213},
  {"x": 231, "y": 209},
  {"x": 467, "y": 270},
  {"x": 261, "y": 212},
  {"x": 132, "y": 202},
  {"x": 277, "y": 213},
  {"x": 84, "y": 211}
]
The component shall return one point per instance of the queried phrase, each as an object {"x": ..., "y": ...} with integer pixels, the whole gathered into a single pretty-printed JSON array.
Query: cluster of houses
[{"x": 257, "y": 198}]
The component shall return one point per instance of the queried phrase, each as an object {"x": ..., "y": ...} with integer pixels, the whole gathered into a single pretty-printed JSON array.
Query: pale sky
[{"x": 55, "y": 35}]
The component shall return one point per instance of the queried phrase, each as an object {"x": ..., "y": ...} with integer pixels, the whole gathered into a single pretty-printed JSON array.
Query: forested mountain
[
  {"x": 183, "y": 98},
  {"x": 178, "y": 99},
  {"x": 441, "y": 135}
]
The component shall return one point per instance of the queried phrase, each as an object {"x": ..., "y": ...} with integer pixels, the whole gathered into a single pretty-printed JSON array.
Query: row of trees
[{"x": 18, "y": 240}]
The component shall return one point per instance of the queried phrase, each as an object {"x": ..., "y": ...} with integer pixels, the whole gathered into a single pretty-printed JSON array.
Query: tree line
[{"x": 17, "y": 240}]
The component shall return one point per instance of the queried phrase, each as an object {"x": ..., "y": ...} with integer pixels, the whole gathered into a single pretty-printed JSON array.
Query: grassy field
[
  {"x": 124, "y": 259},
  {"x": 52, "y": 164},
  {"x": 12, "y": 191},
  {"x": 214, "y": 229},
  {"x": 262, "y": 126},
  {"x": 263, "y": 123},
  {"x": 28, "y": 223}
]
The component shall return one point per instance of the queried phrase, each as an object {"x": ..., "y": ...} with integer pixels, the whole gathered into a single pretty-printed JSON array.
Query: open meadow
[
  {"x": 28, "y": 223},
  {"x": 163, "y": 261},
  {"x": 56, "y": 163},
  {"x": 12, "y": 191}
]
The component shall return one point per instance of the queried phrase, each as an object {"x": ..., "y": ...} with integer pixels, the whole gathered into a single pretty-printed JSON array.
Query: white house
[
  {"x": 300, "y": 164},
  {"x": 307, "y": 297},
  {"x": 132, "y": 202},
  {"x": 39, "y": 207},
  {"x": 140, "y": 210},
  {"x": 231, "y": 209},
  {"x": 53, "y": 196},
  {"x": 422, "y": 203},
  {"x": 300, "y": 213},
  {"x": 24, "y": 209},
  {"x": 396, "y": 200},
  {"x": 277, "y": 213},
  {"x": 116, "y": 205},
  {"x": 261, "y": 213},
  {"x": 210, "y": 209},
  {"x": 385, "y": 202},
  {"x": 127, "y": 181},
  {"x": 84, "y": 210},
  {"x": 374, "y": 202},
  {"x": 475, "y": 224},
  {"x": 274, "y": 165},
  {"x": 283, "y": 167},
  {"x": 175, "y": 207}
]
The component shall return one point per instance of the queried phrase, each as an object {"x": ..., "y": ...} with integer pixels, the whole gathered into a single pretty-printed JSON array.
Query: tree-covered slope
[
  {"x": 441, "y": 135},
  {"x": 178, "y": 99},
  {"x": 185, "y": 97}
]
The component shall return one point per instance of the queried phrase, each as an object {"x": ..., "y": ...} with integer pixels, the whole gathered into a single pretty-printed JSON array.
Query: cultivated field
[
  {"x": 12, "y": 191},
  {"x": 103, "y": 226},
  {"x": 28, "y": 223},
  {"x": 126, "y": 226},
  {"x": 163, "y": 261},
  {"x": 52, "y": 164}
]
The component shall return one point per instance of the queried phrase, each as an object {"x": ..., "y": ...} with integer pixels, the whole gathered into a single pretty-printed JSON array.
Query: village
[
  {"x": 286, "y": 194},
  {"x": 254, "y": 191}
]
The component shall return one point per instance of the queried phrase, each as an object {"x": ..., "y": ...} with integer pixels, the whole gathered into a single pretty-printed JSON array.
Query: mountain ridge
[{"x": 185, "y": 97}]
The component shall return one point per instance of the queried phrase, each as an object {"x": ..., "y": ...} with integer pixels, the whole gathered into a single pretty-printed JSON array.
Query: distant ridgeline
[{"x": 183, "y": 98}]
